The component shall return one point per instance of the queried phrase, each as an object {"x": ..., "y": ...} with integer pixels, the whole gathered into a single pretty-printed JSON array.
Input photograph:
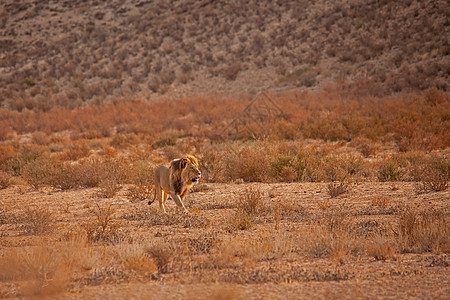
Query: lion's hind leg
[
  {"x": 161, "y": 200},
  {"x": 164, "y": 198}
]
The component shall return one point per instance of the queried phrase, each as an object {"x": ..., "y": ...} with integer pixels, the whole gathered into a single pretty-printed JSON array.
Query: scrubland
[
  {"x": 324, "y": 150},
  {"x": 306, "y": 195}
]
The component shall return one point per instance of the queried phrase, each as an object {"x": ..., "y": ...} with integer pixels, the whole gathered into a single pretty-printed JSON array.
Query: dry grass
[
  {"x": 423, "y": 231},
  {"x": 37, "y": 220}
]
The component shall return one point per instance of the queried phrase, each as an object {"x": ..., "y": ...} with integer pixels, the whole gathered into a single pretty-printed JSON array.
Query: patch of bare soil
[{"x": 239, "y": 241}]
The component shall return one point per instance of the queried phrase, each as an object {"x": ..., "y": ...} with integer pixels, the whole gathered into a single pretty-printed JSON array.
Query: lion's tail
[{"x": 154, "y": 197}]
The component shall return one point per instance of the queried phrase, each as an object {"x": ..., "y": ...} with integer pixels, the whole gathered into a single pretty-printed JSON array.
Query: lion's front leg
[{"x": 178, "y": 200}]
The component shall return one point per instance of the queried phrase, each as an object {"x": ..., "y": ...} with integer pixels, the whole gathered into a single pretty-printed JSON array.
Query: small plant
[
  {"x": 37, "y": 220},
  {"x": 390, "y": 169},
  {"x": 424, "y": 231},
  {"x": 102, "y": 228},
  {"x": 434, "y": 175},
  {"x": 381, "y": 201},
  {"x": 5, "y": 180},
  {"x": 239, "y": 221},
  {"x": 162, "y": 254},
  {"x": 108, "y": 188},
  {"x": 380, "y": 248},
  {"x": 325, "y": 205},
  {"x": 335, "y": 189},
  {"x": 251, "y": 201},
  {"x": 138, "y": 193}
]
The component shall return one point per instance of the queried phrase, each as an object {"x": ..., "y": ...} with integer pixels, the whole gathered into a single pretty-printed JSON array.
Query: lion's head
[{"x": 184, "y": 172}]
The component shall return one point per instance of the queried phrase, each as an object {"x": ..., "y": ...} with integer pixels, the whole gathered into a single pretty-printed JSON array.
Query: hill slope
[{"x": 70, "y": 52}]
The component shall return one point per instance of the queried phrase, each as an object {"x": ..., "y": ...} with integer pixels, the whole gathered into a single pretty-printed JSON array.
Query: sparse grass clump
[
  {"x": 37, "y": 220},
  {"x": 424, "y": 231},
  {"x": 433, "y": 175},
  {"x": 138, "y": 193},
  {"x": 390, "y": 169},
  {"x": 103, "y": 228},
  {"x": 251, "y": 201},
  {"x": 335, "y": 189}
]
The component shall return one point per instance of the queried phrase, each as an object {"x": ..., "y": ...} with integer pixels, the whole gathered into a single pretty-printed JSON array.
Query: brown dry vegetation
[
  {"x": 67, "y": 53},
  {"x": 329, "y": 194},
  {"x": 338, "y": 191}
]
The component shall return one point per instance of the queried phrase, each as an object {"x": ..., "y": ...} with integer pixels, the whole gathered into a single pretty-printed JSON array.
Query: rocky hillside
[{"x": 66, "y": 53}]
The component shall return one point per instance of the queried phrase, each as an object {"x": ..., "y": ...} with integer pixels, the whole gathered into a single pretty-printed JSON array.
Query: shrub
[
  {"x": 380, "y": 248},
  {"x": 251, "y": 165},
  {"x": 390, "y": 169},
  {"x": 108, "y": 187},
  {"x": 5, "y": 180},
  {"x": 103, "y": 228},
  {"x": 37, "y": 220},
  {"x": 24, "y": 156},
  {"x": 163, "y": 255},
  {"x": 251, "y": 202},
  {"x": 230, "y": 72},
  {"x": 239, "y": 221},
  {"x": 43, "y": 270},
  {"x": 335, "y": 189},
  {"x": 424, "y": 231},
  {"x": 139, "y": 193},
  {"x": 433, "y": 174}
]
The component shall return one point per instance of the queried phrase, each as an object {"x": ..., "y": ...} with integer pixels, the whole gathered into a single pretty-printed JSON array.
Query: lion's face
[{"x": 190, "y": 173}]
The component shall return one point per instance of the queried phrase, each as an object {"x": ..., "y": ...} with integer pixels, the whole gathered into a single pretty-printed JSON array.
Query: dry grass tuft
[
  {"x": 381, "y": 248},
  {"x": 138, "y": 193},
  {"x": 335, "y": 189},
  {"x": 37, "y": 220},
  {"x": 103, "y": 228},
  {"x": 251, "y": 202},
  {"x": 424, "y": 231},
  {"x": 42, "y": 271}
]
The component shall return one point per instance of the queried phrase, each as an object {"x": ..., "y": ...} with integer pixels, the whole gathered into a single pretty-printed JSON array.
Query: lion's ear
[{"x": 184, "y": 163}]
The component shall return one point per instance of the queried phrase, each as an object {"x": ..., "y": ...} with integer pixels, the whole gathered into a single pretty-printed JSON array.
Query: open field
[
  {"x": 297, "y": 243},
  {"x": 322, "y": 130},
  {"x": 306, "y": 195}
]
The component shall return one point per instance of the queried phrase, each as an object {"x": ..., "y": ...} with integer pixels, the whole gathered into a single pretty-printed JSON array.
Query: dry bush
[
  {"x": 423, "y": 231},
  {"x": 163, "y": 255},
  {"x": 38, "y": 172},
  {"x": 6, "y": 153},
  {"x": 136, "y": 257},
  {"x": 40, "y": 138},
  {"x": 23, "y": 156},
  {"x": 239, "y": 221},
  {"x": 5, "y": 180},
  {"x": 333, "y": 236},
  {"x": 203, "y": 244},
  {"x": 37, "y": 220},
  {"x": 230, "y": 72},
  {"x": 42, "y": 270},
  {"x": 75, "y": 152},
  {"x": 335, "y": 189},
  {"x": 433, "y": 174},
  {"x": 251, "y": 164},
  {"x": 381, "y": 201},
  {"x": 391, "y": 169},
  {"x": 102, "y": 228},
  {"x": 251, "y": 202},
  {"x": 138, "y": 193},
  {"x": 108, "y": 188},
  {"x": 381, "y": 248}
]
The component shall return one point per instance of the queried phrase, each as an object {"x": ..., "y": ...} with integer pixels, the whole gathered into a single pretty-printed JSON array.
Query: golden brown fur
[{"x": 175, "y": 180}]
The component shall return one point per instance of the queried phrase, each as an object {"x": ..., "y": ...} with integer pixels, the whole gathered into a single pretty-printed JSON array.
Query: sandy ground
[{"x": 284, "y": 271}]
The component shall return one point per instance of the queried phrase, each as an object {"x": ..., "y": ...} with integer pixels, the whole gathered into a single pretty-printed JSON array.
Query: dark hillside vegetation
[{"x": 66, "y": 53}]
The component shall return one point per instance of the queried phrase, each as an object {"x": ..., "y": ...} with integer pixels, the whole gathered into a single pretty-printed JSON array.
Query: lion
[{"x": 176, "y": 180}]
